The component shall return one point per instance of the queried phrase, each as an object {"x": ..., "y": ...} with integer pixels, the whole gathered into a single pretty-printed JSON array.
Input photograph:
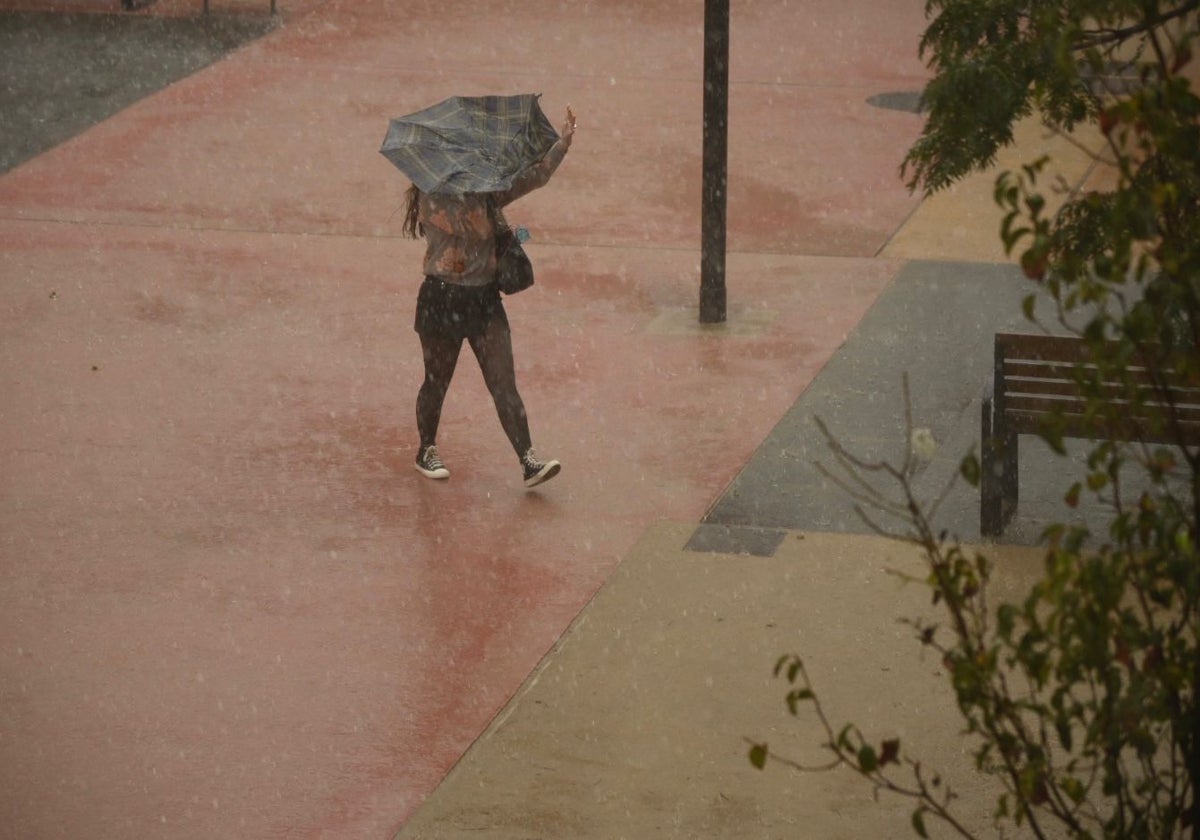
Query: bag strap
[
  {"x": 497, "y": 213},
  {"x": 502, "y": 232}
]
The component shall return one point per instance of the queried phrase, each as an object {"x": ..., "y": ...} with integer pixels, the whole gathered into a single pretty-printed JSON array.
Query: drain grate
[
  {"x": 732, "y": 539},
  {"x": 900, "y": 100}
]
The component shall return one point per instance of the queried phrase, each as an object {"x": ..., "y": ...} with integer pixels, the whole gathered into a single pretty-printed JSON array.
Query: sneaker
[
  {"x": 536, "y": 472},
  {"x": 429, "y": 463}
]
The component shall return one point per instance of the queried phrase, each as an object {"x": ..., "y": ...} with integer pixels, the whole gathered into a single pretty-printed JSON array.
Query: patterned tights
[{"x": 493, "y": 351}]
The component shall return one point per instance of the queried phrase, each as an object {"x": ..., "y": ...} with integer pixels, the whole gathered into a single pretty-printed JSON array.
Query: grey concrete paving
[
  {"x": 934, "y": 324},
  {"x": 63, "y": 73}
]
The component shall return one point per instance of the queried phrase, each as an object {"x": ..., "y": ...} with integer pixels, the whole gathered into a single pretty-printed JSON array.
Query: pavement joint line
[
  {"x": 419, "y": 71},
  {"x": 899, "y": 228},
  {"x": 542, "y": 243},
  {"x": 190, "y": 228}
]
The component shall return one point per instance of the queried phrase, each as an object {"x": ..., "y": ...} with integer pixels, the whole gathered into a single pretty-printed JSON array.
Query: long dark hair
[{"x": 412, "y": 227}]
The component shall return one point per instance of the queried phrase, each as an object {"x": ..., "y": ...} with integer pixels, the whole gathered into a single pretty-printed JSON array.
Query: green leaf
[
  {"x": 758, "y": 755},
  {"x": 1074, "y": 789},
  {"x": 868, "y": 761},
  {"x": 1072, "y": 497},
  {"x": 1005, "y": 619},
  {"x": 1063, "y": 725},
  {"x": 792, "y": 663},
  {"x": 783, "y": 660},
  {"x": 1027, "y": 305},
  {"x": 794, "y": 698},
  {"x": 794, "y": 669},
  {"x": 970, "y": 470},
  {"x": 1053, "y": 435},
  {"x": 1183, "y": 543},
  {"x": 1032, "y": 169},
  {"x": 842, "y": 742},
  {"x": 918, "y": 822}
]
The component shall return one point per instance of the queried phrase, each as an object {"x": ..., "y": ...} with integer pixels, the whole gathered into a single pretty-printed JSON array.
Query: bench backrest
[{"x": 1035, "y": 378}]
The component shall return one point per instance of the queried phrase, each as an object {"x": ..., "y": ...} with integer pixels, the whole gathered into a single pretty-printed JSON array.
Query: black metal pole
[{"x": 716, "y": 153}]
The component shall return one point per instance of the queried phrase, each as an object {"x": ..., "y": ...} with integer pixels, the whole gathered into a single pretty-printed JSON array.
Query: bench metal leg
[
  {"x": 1009, "y": 485},
  {"x": 990, "y": 500},
  {"x": 998, "y": 489}
]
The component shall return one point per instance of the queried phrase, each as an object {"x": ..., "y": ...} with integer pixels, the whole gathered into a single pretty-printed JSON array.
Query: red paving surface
[{"x": 231, "y": 608}]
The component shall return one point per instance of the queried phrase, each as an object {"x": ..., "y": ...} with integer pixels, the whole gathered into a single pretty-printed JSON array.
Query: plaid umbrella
[{"x": 469, "y": 143}]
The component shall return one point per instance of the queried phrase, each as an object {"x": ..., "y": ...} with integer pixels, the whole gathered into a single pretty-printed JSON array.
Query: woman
[{"x": 459, "y": 299}]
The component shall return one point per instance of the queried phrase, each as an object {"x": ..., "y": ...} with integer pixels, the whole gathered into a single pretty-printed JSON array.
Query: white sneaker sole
[
  {"x": 547, "y": 472},
  {"x": 443, "y": 473}
]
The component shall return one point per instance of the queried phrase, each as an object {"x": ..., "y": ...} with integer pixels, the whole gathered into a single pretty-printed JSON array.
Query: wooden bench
[{"x": 1036, "y": 382}]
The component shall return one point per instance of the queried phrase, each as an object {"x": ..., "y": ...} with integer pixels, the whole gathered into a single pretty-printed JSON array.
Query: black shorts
[{"x": 448, "y": 310}]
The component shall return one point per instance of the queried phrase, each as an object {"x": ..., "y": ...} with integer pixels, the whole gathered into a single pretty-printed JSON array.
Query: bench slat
[
  {"x": 1078, "y": 426},
  {"x": 1058, "y": 355},
  {"x": 1059, "y": 387},
  {"x": 1044, "y": 370},
  {"x": 1046, "y": 403},
  {"x": 1049, "y": 348}
]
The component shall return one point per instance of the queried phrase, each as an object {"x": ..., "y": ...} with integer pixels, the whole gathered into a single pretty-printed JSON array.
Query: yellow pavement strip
[
  {"x": 635, "y": 725},
  {"x": 962, "y": 223}
]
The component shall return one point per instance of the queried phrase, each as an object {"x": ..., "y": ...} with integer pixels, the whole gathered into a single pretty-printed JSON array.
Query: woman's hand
[{"x": 568, "y": 128}]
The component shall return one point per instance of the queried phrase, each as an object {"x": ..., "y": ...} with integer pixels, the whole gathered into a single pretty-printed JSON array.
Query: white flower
[{"x": 922, "y": 445}]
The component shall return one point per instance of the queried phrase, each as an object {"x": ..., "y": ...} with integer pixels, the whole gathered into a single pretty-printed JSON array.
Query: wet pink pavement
[{"x": 231, "y": 607}]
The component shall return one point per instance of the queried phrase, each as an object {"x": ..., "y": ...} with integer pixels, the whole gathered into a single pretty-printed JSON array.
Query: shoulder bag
[{"x": 514, "y": 271}]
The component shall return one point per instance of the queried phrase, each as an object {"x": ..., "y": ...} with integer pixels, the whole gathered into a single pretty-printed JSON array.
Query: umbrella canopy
[{"x": 469, "y": 143}]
